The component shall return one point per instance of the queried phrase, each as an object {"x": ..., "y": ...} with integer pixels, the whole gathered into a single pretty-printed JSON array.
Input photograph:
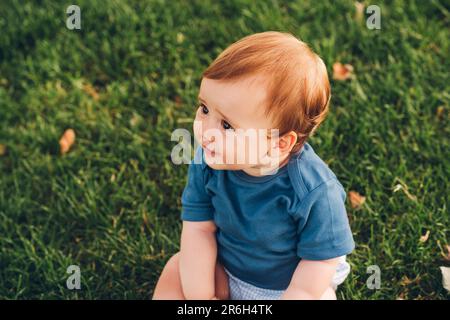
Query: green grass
[{"x": 112, "y": 204}]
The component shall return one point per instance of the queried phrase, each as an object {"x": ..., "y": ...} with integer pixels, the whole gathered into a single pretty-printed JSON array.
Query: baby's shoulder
[{"x": 308, "y": 172}]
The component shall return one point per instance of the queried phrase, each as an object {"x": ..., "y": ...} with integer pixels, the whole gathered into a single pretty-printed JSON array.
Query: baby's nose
[{"x": 209, "y": 139}]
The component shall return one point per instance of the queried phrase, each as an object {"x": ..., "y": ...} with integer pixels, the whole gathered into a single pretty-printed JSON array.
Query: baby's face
[{"x": 231, "y": 126}]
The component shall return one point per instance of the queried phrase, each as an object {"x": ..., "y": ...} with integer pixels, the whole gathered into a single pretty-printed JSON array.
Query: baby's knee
[
  {"x": 168, "y": 285},
  {"x": 173, "y": 262},
  {"x": 329, "y": 294}
]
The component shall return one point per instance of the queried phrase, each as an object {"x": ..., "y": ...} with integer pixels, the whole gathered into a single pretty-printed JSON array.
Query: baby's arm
[
  {"x": 198, "y": 254},
  {"x": 311, "y": 279}
]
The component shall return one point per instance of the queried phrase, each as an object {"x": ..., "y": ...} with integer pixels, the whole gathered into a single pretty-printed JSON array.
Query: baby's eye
[
  {"x": 204, "y": 109},
  {"x": 226, "y": 125}
]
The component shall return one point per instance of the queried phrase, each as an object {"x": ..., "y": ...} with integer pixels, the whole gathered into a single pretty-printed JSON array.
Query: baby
[{"x": 263, "y": 216}]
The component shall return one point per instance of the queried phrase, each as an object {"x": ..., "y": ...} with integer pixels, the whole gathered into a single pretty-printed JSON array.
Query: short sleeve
[
  {"x": 195, "y": 201},
  {"x": 324, "y": 232}
]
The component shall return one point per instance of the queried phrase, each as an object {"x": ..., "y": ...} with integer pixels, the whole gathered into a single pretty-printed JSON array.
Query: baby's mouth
[{"x": 210, "y": 152}]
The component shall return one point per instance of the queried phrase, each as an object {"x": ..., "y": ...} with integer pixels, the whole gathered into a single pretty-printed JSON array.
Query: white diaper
[{"x": 241, "y": 290}]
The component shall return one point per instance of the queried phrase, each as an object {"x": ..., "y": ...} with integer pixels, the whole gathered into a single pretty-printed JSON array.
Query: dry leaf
[
  {"x": 359, "y": 7},
  {"x": 2, "y": 149},
  {"x": 405, "y": 281},
  {"x": 90, "y": 90},
  {"x": 401, "y": 296},
  {"x": 404, "y": 188},
  {"x": 66, "y": 141},
  {"x": 447, "y": 256},
  {"x": 356, "y": 200},
  {"x": 440, "y": 112},
  {"x": 424, "y": 238},
  {"x": 342, "y": 71},
  {"x": 445, "y": 277}
]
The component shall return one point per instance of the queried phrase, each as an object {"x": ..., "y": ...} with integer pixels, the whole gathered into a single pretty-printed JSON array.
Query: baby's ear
[{"x": 287, "y": 142}]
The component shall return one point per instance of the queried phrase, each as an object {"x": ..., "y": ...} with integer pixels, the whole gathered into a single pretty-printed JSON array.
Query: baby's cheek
[
  {"x": 241, "y": 150},
  {"x": 239, "y": 154},
  {"x": 227, "y": 155},
  {"x": 263, "y": 146},
  {"x": 198, "y": 129}
]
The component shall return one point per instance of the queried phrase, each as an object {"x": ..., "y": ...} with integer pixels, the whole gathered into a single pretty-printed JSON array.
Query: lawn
[{"x": 130, "y": 76}]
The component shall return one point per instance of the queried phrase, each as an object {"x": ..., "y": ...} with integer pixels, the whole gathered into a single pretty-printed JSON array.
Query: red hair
[{"x": 297, "y": 81}]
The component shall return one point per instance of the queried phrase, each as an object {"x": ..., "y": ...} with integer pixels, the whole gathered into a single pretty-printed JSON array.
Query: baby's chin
[
  {"x": 216, "y": 166},
  {"x": 218, "y": 163}
]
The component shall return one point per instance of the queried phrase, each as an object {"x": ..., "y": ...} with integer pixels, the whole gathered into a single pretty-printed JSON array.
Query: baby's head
[{"x": 259, "y": 101}]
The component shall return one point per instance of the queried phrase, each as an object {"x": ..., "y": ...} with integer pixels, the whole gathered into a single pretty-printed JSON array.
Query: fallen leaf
[
  {"x": 359, "y": 7},
  {"x": 356, "y": 200},
  {"x": 341, "y": 71},
  {"x": 445, "y": 277},
  {"x": 440, "y": 112},
  {"x": 67, "y": 140},
  {"x": 424, "y": 238},
  {"x": 90, "y": 90},
  {"x": 447, "y": 256},
  {"x": 404, "y": 188},
  {"x": 401, "y": 296},
  {"x": 405, "y": 281},
  {"x": 2, "y": 149}
]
